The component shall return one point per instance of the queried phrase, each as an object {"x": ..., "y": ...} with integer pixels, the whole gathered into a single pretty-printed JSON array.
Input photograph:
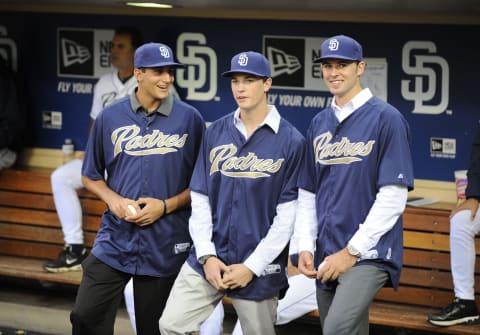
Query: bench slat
[
  {"x": 32, "y": 269},
  {"x": 29, "y": 180},
  {"x": 45, "y": 202},
  {"x": 431, "y": 241},
  {"x": 437, "y": 221}
]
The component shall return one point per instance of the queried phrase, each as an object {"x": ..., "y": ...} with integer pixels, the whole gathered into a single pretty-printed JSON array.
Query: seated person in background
[
  {"x": 67, "y": 179},
  {"x": 464, "y": 225}
]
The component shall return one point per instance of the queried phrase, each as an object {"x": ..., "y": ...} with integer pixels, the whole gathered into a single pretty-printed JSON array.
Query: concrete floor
[{"x": 44, "y": 308}]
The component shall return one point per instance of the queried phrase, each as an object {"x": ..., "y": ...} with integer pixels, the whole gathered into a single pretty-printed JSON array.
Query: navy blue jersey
[
  {"x": 245, "y": 180},
  {"x": 346, "y": 164},
  {"x": 144, "y": 156}
]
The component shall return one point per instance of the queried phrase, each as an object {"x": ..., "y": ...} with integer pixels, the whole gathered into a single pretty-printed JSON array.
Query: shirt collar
[
  {"x": 358, "y": 101},
  {"x": 165, "y": 108},
  {"x": 272, "y": 119}
]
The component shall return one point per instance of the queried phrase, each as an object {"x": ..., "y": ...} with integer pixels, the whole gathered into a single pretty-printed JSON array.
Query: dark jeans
[{"x": 101, "y": 292}]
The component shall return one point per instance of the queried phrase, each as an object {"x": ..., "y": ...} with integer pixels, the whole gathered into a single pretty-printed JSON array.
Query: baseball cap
[
  {"x": 154, "y": 55},
  {"x": 340, "y": 47},
  {"x": 250, "y": 62}
]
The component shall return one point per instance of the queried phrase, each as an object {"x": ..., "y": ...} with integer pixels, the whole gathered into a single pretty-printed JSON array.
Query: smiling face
[
  {"x": 342, "y": 78},
  {"x": 153, "y": 84},
  {"x": 249, "y": 91}
]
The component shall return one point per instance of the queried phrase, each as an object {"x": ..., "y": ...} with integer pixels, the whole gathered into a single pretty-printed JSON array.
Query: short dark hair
[{"x": 134, "y": 33}]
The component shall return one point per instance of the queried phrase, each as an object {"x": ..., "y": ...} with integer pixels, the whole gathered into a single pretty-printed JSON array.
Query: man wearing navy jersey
[
  {"x": 243, "y": 208},
  {"x": 147, "y": 144},
  {"x": 352, "y": 192}
]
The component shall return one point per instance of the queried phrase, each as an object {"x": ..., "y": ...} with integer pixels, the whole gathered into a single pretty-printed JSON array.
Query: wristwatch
[
  {"x": 353, "y": 251},
  {"x": 202, "y": 260}
]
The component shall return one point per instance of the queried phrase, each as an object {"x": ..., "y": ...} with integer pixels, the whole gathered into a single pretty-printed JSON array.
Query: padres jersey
[
  {"x": 346, "y": 164},
  {"x": 144, "y": 156},
  {"x": 245, "y": 180},
  {"x": 109, "y": 89}
]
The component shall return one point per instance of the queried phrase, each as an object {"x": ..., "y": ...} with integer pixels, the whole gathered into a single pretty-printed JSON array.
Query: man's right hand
[
  {"x": 306, "y": 265},
  {"x": 469, "y": 204},
  {"x": 214, "y": 268}
]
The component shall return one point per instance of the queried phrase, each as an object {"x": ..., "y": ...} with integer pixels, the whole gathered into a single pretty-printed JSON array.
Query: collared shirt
[
  {"x": 383, "y": 214},
  {"x": 272, "y": 120},
  {"x": 201, "y": 228},
  {"x": 165, "y": 108},
  {"x": 243, "y": 199},
  {"x": 354, "y": 184},
  {"x": 144, "y": 156},
  {"x": 359, "y": 100}
]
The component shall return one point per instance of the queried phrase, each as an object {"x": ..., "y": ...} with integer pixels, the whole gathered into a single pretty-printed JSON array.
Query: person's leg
[
  {"x": 256, "y": 317},
  {"x": 98, "y": 298},
  {"x": 462, "y": 256},
  {"x": 348, "y": 312},
  {"x": 237, "y": 330},
  {"x": 214, "y": 324},
  {"x": 129, "y": 304},
  {"x": 299, "y": 300},
  {"x": 324, "y": 300},
  {"x": 66, "y": 180},
  {"x": 194, "y": 297},
  {"x": 462, "y": 253},
  {"x": 150, "y": 296}
]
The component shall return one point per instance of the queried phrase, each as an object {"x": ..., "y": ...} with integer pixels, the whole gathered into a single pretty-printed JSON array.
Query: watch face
[
  {"x": 352, "y": 251},
  {"x": 202, "y": 260}
]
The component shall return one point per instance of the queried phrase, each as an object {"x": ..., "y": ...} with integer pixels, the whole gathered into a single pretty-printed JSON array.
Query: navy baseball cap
[
  {"x": 154, "y": 55},
  {"x": 250, "y": 62},
  {"x": 340, "y": 47}
]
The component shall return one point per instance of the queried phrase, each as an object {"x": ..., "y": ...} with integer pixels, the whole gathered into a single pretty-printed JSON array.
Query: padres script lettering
[
  {"x": 249, "y": 166},
  {"x": 127, "y": 139},
  {"x": 342, "y": 152}
]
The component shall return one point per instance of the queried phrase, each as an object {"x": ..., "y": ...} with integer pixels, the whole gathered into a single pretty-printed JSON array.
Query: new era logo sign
[
  {"x": 281, "y": 62},
  {"x": 74, "y": 53},
  {"x": 84, "y": 53},
  {"x": 75, "y": 49},
  {"x": 286, "y": 56},
  {"x": 443, "y": 147}
]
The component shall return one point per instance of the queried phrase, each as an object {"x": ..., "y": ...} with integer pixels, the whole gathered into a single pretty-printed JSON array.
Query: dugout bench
[{"x": 30, "y": 233}]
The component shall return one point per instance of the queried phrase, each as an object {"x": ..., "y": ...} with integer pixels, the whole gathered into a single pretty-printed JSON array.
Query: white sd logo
[
  {"x": 200, "y": 75},
  {"x": 243, "y": 60},
  {"x": 424, "y": 92}
]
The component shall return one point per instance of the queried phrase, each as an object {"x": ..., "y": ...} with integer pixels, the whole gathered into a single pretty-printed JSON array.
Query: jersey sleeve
[
  {"x": 199, "y": 182},
  {"x": 94, "y": 163},
  {"x": 306, "y": 176},
  {"x": 297, "y": 154},
  {"x": 395, "y": 160}
]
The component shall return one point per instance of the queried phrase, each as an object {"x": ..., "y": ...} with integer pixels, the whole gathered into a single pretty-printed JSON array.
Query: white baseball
[{"x": 132, "y": 209}]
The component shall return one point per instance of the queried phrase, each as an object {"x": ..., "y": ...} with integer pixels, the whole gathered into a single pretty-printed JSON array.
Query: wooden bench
[
  {"x": 30, "y": 233},
  {"x": 426, "y": 282}
]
